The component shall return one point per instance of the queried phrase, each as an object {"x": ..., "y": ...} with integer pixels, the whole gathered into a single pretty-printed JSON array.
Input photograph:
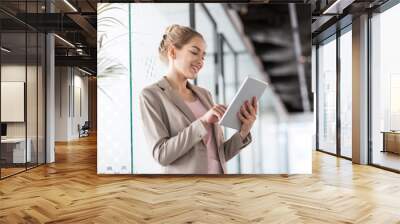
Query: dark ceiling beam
[
  {"x": 60, "y": 22},
  {"x": 288, "y": 88},
  {"x": 10, "y": 25},
  {"x": 88, "y": 69},
  {"x": 92, "y": 5},
  {"x": 5, "y": 14},
  {"x": 268, "y": 27},
  {"x": 274, "y": 64},
  {"x": 271, "y": 18},
  {"x": 86, "y": 27},
  {"x": 79, "y": 19},
  {"x": 49, "y": 22},
  {"x": 63, "y": 7},
  {"x": 289, "y": 78},
  {"x": 289, "y": 68},
  {"x": 65, "y": 51},
  {"x": 293, "y": 100},
  {"x": 269, "y": 35},
  {"x": 277, "y": 55},
  {"x": 82, "y": 61},
  {"x": 260, "y": 27},
  {"x": 293, "y": 109},
  {"x": 263, "y": 46}
]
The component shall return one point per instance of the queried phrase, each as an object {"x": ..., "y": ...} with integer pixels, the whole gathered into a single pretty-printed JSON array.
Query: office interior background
[
  {"x": 357, "y": 112},
  {"x": 236, "y": 48},
  {"x": 48, "y": 82},
  {"x": 49, "y": 76}
]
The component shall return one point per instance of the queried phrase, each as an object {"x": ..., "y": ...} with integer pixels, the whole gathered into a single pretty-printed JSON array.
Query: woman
[{"x": 181, "y": 119}]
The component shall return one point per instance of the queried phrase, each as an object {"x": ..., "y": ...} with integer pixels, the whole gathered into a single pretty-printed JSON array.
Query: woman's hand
[
  {"x": 214, "y": 114},
  {"x": 247, "y": 115}
]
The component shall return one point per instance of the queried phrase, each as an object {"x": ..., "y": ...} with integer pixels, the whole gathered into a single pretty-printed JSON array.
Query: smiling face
[{"x": 189, "y": 60}]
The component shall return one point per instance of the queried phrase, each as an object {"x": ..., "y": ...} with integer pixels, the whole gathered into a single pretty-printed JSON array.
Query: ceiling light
[
  {"x": 86, "y": 72},
  {"x": 70, "y": 5},
  {"x": 5, "y": 50},
  {"x": 64, "y": 40},
  {"x": 338, "y": 6},
  {"x": 329, "y": 9},
  {"x": 79, "y": 51}
]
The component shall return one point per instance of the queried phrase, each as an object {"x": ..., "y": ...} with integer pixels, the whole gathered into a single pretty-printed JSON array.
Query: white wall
[
  {"x": 61, "y": 103},
  {"x": 80, "y": 103},
  {"x": 71, "y": 93}
]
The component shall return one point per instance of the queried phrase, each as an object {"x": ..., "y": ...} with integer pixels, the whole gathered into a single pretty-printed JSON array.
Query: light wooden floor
[
  {"x": 5, "y": 172},
  {"x": 69, "y": 191}
]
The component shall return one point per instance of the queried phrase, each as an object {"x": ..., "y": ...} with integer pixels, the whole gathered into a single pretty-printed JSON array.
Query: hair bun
[
  {"x": 170, "y": 28},
  {"x": 177, "y": 36}
]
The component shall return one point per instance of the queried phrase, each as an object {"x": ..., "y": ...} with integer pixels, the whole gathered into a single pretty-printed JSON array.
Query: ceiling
[
  {"x": 269, "y": 28},
  {"x": 75, "y": 43}
]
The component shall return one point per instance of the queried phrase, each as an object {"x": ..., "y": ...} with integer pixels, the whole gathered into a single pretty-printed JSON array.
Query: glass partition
[
  {"x": 385, "y": 89},
  {"x": 327, "y": 95},
  {"x": 22, "y": 90},
  {"x": 14, "y": 153},
  {"x": 346, "y": 93}
]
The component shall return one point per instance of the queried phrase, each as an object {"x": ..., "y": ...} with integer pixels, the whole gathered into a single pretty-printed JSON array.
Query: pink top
[{"x": 214, "y": 165}]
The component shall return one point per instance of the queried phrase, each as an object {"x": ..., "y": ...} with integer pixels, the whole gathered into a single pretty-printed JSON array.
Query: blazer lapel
[{"x": 176, "y": 99}]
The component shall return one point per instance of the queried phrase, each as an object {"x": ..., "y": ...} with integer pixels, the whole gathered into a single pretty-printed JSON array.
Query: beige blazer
[{"x": 175, "y": 135}]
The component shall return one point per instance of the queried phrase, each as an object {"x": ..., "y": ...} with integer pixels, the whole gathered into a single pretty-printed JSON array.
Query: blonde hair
[{"x": 177, "y": 36}]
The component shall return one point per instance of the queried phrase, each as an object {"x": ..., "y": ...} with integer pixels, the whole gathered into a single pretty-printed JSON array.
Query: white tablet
[{"x": 250, "y": 87}]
